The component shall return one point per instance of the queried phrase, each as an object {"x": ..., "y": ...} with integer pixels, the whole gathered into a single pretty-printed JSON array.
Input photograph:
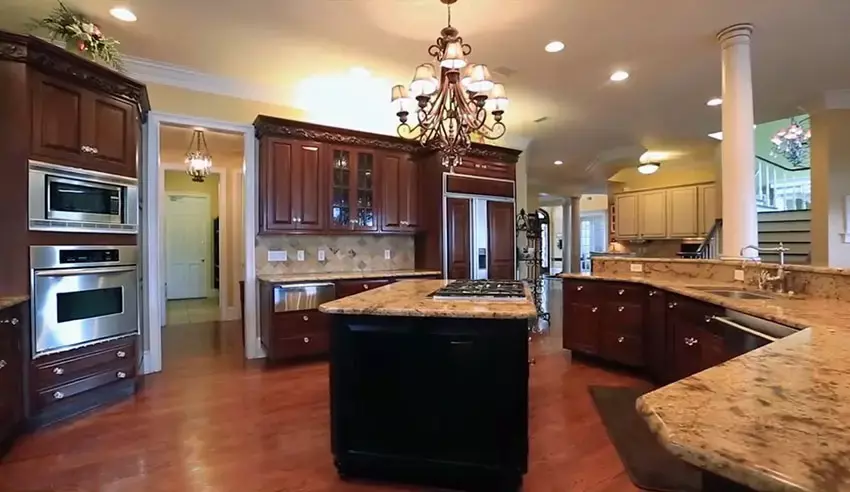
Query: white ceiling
[{"x": 800, "y": 49}]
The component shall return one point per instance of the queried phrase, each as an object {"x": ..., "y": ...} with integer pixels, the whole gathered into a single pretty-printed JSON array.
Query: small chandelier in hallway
[
  {"x": 199, "y": 160},
  {"x": 453, "y": 103},
  {"x": 792, "y": 143}
]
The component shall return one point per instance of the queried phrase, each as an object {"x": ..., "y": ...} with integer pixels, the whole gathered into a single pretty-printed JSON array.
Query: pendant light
[
  {"x": 199, "y": 160},
  {"x": 648, "y": 167}
]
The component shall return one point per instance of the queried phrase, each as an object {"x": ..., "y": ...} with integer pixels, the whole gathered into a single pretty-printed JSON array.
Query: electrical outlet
[
  {"x": 277, "y": 255},
  {"x": 636, "y": 267},
  {"x": 739, "y": 275},
  {"x": 300, "y": 255},
  {"x": 321, "y": 255},
  {"x": 387, "y": 254}
]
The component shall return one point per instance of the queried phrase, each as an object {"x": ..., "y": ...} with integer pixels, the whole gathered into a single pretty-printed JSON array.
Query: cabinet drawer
[
  {"x": 582, "y": 291},
  {"x": 625, "y": 348},
  {"x": 117, "y": 372},
  {"x": 623, "y": 317},
  {"x": 64, "y": 368},
  {"x": 303, "y": 346},
  {"x": 345, "y": 288},
  {"x": 294, "y": 324},
  {"x": 627, "y": 293}
]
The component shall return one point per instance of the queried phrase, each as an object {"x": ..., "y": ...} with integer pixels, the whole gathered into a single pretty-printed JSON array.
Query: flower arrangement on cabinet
[{"x": 81, "y": 35}]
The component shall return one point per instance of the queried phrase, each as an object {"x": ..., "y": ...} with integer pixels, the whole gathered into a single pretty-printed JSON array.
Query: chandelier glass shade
[
  {"x": 198, "y": 158},
  {"x": 792, "y": 143},
  {"x": 452, "y": 99}
]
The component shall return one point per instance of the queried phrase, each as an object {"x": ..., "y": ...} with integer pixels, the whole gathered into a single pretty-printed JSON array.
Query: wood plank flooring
[{"x": 211, "y": 422}]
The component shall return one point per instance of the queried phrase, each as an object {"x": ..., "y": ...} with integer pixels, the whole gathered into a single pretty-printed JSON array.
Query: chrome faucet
[{"x": 764, "y": 277}]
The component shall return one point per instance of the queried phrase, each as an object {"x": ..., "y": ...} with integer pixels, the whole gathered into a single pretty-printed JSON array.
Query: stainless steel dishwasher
[
  {"x": 301, "y": 297},
  {"x": 291, "y": 326}
]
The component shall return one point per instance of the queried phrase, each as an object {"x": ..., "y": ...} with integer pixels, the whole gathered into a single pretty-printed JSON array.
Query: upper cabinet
[
  {"x": 76, "y": 126},
  {"x": 353, "y": 178},
  {"x": 485, "y": 168},
  {"x": 291, "y": 186},
  {"x": 399, "y": 194},
  {"x": 668, "y": 213}
]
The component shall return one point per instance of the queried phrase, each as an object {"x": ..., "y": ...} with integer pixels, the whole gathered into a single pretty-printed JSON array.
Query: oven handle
[{"x": 84, "y": 271}]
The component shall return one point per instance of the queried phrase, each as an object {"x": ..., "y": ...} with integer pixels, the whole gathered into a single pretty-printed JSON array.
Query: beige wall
[
  {"x": 830, "y": 156},
  {"x": 202, "y": 104}
]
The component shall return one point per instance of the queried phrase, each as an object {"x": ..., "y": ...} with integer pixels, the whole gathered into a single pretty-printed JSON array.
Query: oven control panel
[{"x": 88, "y": 255}]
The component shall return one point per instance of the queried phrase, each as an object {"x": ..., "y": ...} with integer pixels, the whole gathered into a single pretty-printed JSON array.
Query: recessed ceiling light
[
  {"x": 558, "y": 163},
  {"x": 619, "y": 76},
  {"x": 123, "y": 14},
  {"x": 554, "y": 46},
  {"x": 714, "y": 102}
]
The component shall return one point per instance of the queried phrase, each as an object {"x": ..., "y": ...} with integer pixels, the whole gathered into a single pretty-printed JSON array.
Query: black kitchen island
[{"x": 430, "y": 390}]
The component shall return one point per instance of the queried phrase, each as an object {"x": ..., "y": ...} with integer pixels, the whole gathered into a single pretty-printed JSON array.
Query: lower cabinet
[
  {"x": 695, "y": 343},
  {"x": 13, "y": 324},
  {"x": 345, "y": 288},
  {"x": 296, "y": 335}
]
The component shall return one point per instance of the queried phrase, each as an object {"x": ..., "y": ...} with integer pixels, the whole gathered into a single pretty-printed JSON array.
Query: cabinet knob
[
  {"x": 593, "y": 309},
  {"x": 652, "y": 293},
  {"x": 121, "y": 374},
  {"x": 58, "y": 395},
  {"x": 120, "y": 354},
  {"x": 708, "y": 319},
  {"x": 85, "y": 148},
  {"x": 621, "y": 340},
  {"x": 94, "y": 150},
  {"x": 306, "y": 339},
  {"x": 580, "y": 287},
  {"x": 2, "y": 363},
  {"x": 58, "y": 371},
  {"x": 621, "y": 292},
  {"x": 366, "y": 286},
  {"x": 620, "y": 309},
  {"x": 13, "y": 321},
  {"x": 305, "y": 318},
  {"x": 671, "y": 305}
]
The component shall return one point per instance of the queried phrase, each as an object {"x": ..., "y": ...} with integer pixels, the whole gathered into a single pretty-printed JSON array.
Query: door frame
[
  {"x": 164, "y": 240},
  {"x": 151, "y": 233},
  {"x": 223, "y": 247}
]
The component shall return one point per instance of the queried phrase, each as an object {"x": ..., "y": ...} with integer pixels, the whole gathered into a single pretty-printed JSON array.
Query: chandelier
[
  {"x": 199, "y": 160},
  {"x": 792, "y": 143},
  {"x": 454, "y": 105}
]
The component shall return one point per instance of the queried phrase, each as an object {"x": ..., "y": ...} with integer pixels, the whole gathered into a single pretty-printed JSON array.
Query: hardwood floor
[{"x": 212, "y": 422}]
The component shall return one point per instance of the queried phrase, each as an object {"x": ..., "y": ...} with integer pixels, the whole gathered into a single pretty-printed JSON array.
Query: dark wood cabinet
[
  {"x": 75, "y": 126},
  {"x": 581, "y": 327},
  {"x": 354, "y": 174},
  {"x": 295, "y": 335},
  {"x": 486, "y": 168},
  {"x": 292, "y": 186},
  {"x": 345, "y": 288},
  {"x": 655, "y": 330},
  {"x": 399, "y": 196},
  {"x": 13, "y": 327},
  {"x": 459, "y": 237},
  {"x": 694, "y": 342},
  {"x": 500, "y": 241}
]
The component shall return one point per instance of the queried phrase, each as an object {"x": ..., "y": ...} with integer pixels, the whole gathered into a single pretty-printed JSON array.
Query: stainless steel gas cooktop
[{"x": 481, "y": 290}]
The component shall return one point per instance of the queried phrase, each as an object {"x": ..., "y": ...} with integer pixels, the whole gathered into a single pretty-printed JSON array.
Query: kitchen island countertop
[
  {"x": 775, "y": 419},
  {"x": 411, "y": 298}
]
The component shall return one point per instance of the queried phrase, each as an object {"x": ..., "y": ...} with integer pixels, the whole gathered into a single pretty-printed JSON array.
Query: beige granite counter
[
  {"x": 410, "y": 298},
  {"x": 323, "y": 276},
  {"x": 7, "y": 302},
  {"x": 774, "y": 419}
]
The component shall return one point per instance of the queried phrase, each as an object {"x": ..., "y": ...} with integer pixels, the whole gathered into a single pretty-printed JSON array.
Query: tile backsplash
[{"x": 342, "y": 253}]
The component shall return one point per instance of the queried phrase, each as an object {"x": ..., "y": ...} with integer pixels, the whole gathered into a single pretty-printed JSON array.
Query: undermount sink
[{"x": 733, "y": 293}]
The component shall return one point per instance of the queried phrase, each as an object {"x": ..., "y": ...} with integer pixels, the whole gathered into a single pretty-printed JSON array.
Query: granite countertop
[
  {"x": 315, "y": 277},
  {"x": 410, "y": 298},
  {"x": 7, "y": 302},
  {"x": 774, "y": 419}
]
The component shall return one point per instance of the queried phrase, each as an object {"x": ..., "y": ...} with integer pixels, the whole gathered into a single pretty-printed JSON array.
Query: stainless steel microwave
[{"x": 78, "y": 200}]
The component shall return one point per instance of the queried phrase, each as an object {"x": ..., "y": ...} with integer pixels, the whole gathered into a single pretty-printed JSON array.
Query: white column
[
  {"x": 740, "y": 218},
  {"x": 575, "y": 234},
  {"x": 566, "y": 231}
]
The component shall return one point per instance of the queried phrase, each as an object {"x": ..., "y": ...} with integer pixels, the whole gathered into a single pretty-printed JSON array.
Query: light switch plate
[
  {"x": 300, "y": 255},
  {"x": 636, "y": 267},
  {"x": 277, "y": 255},
  {"x": 739, "y": 275},
  {"x": 387, "y": 254},
  {"x": 321, "y": 255}
]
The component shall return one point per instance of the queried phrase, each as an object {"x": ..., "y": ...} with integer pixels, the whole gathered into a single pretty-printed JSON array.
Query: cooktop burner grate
[{"x": 482, "y": 289}]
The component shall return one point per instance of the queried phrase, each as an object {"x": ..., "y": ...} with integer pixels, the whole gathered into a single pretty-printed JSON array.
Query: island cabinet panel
[
  {"x": 399, "y": 196},
  {"x": 13, "y": 327},
  {"x": 75, "y": 126},
  {"x": 291, "y": 186},
  {"x": 500, "y": 241},
  {"x": 436, "y": 400}
]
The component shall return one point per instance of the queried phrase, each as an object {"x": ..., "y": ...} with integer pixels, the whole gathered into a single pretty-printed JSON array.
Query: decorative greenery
[{"x": 80, "y": 35}]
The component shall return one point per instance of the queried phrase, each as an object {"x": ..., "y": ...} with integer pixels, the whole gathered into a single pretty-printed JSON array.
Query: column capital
[{"x": 735, "y": 34}]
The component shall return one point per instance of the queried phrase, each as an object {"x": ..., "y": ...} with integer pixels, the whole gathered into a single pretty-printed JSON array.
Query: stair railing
[{"x": 776, "y": 187}]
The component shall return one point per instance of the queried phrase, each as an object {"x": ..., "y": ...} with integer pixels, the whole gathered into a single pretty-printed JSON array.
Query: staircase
[{"x": 793, "y": 228}]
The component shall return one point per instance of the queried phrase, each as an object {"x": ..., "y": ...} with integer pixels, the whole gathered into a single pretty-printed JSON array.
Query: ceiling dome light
[
  {"x": 559, "y": 162},
  {"x": 648, "y": 167},
  {"x": 714, "y": 102},
  {"x": 619, "y": 76},
  {"x": 554, "y": 47},
  {"x": 123, "y": 14}
]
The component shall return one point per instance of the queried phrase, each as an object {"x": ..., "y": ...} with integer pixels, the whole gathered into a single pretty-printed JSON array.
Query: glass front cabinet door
[{"x": 353, "y": 189}]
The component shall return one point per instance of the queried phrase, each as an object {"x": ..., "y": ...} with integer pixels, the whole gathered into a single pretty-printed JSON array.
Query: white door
[{"x": 187, "y": 231}]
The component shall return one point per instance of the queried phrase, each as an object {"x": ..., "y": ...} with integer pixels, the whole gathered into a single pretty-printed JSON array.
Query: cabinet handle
[
  {"x": 13, "y": 321},
  {"x": 580, "y": 287},
  {"x": 593, "y": 309},
  {"x": 85, "y": 148},
  {"x": 621, "y": 340},
  {"x": 58, "y": 371},
  {"x": 620, "y": 309},
  {"x": 2, "y": 363},
  {"x": 671, "y": 305},
  {"x": 621, "y": 291},
  {"x": 691, "y": 341},
  {"x": 306, "y": 318},
  {"x": 94, "y": 150},
  {"x": 120, "y": 354},
  {"x": 58, "y": 395},
  {"x": 652, "y": 293},
  {"x": 306, "y": 339},
  {"x": 121, "y": 374}
]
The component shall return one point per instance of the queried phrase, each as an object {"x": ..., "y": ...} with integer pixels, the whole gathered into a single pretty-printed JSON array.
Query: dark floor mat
[{"x": 649, "y": 465}]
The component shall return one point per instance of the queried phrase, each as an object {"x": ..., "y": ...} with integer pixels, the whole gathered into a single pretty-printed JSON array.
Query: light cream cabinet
[
  {"x": 627, "y": 216},
  {"x": 707, "y": 207},
  {"x": 652, "y": 214},
  {"x": 682, "y": 216}
]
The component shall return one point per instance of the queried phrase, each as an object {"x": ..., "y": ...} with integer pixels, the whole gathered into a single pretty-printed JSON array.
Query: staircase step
[
  {"x": 785, "y": 215},
  {"x": 786, "y": 225},
  {"x": 785, "y": 236},
  {"x": 790, "y": 258},
  {"x": 795, "y": 247}
]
